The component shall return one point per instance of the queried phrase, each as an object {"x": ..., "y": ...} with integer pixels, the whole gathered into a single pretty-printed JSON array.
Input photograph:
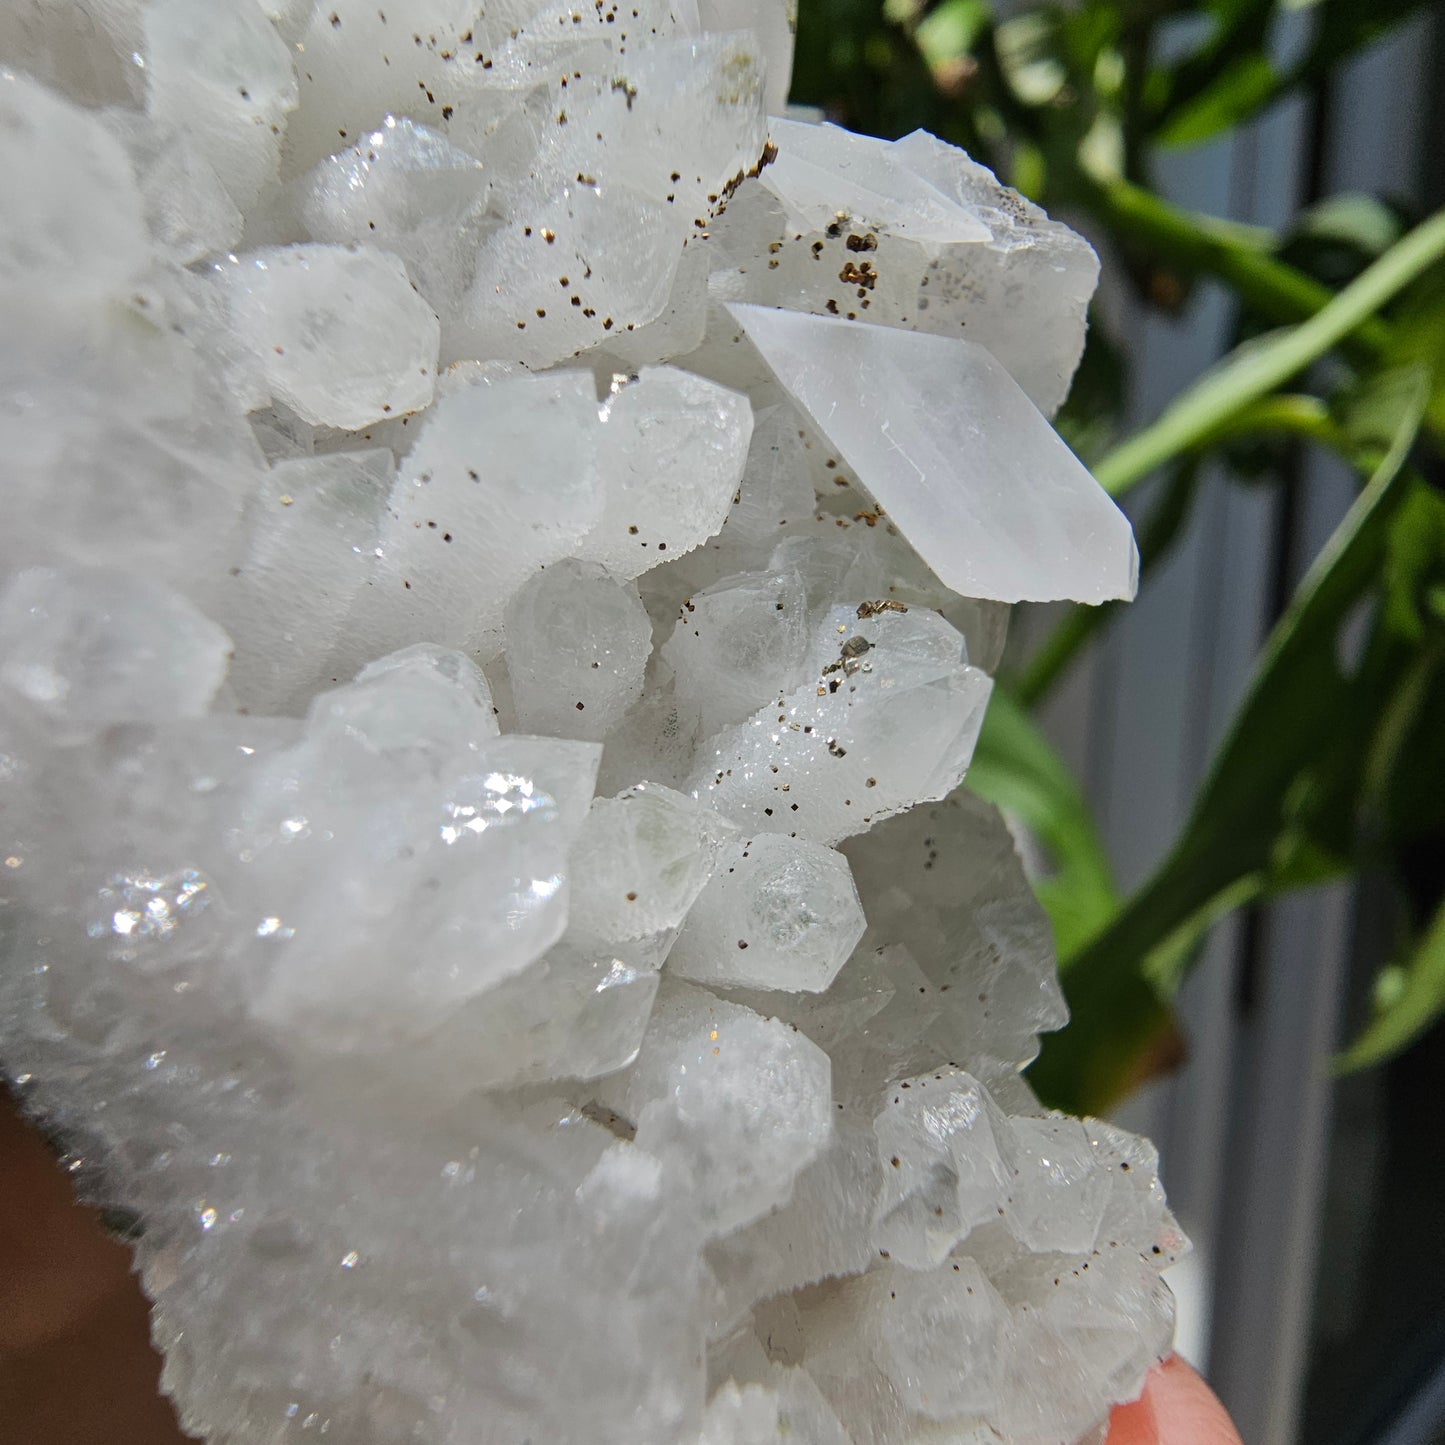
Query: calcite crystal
[{"x": 505, "y": 546}]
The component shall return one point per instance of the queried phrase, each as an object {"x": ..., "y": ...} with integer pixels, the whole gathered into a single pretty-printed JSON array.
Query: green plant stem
[
  {"x": 1254, "y": 370},
  {"x": 1422, "y": 994},
  {"x": 1237, "y": 255},
  {"x": 1230, "y": 844}
]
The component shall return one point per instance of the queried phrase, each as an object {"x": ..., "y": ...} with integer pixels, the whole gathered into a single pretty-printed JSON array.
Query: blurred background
[{"x": 1233, "y": 789}]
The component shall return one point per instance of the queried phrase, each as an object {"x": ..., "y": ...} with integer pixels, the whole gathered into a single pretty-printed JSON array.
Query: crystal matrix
[{"x": 505, "y": 550}]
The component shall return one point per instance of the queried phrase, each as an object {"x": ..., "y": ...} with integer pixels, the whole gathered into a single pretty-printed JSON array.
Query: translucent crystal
[
  {"x": 578, "y": 641},
  {"x": 86, "y": 55},
  {"x": 70, "y": 212},
  {"x": 512, "y": 313},
  {"x": 500, "y": 482},
  {"x": 92, "y": 647},
  {"x": 733, "y": 1104},
  {"x": 910, "y": 234},
  {"x": 788, "y": 1407},
  {"x": 341, "y": 336},
  {"x": 481, "y": 523},
  {"x": 188, "y": 210},
  {"x": 822, "y": 1230},
  {"x": 470, "y": 874},
  {"x": 311, "y": 542},
  {"x": 779, "y": 913},
  {"x": 1010, "y": 519},
  {"x": 631, "y": 159},
  {"x": 656, "y": 428},
  {"x": 577, "y": 1012},
  {"x": 944, "y": 881},
  {"x": 736, "y": 642},
  {"x": 822, "y": 172},
  {"x": 1061, "y": 1192},
  {"x": 948, "y": 1157},
  {"x": 887, "y": 718},
  {"x": 407, "y": 190},
  {"x": 223, "y": 76},
  {"x": 641, "y": 861},
  {"x": 944, "y": 1337}
]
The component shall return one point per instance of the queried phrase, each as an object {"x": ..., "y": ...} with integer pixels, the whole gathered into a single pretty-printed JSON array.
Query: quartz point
[
  {"x": 499, "y": 589},
  {"x": 969, "y": 470}
]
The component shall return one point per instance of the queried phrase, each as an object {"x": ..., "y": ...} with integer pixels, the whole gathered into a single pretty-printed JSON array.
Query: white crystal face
[
  {"x": 407, "y": 189},
  {"x": 340, "y": 335},
  {"x": 577, "y": 648},
  {"x": 911, "y": 234},
  {"x": 887, "y": 717},
  {"x": 223, "y": 75},
  {"x": 505, "y": 548},
  {"x": 994, "y": 501},
  {"x": 72, "y": 214},
  {"x": 733, "y": 1105},
  {"x": 735, "y": 641},
  {"x": 662, "y": 427},
  {"x": 90, "y": 647},
  {"x": 779, "y": 912}
]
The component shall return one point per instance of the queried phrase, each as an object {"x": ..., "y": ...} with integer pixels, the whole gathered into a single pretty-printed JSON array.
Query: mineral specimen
[{"x": 505, "y": 548}]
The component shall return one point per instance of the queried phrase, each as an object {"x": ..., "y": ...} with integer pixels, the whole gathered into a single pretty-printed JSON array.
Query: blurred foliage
[{"x": 1334, "y": 762}]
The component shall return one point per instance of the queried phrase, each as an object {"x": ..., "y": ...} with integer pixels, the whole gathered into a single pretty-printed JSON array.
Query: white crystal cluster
[{"x": 503, "y": 550}]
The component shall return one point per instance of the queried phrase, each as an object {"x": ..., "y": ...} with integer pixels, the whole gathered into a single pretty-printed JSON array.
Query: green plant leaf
[
  {"x": 949, "y": 31},
  {"x": 1335, "y": 239},
  {"x": 1253, "y": 370},
  {"x": 1203, "y": 86},
  {"x": 1239, "y": 89},
  {"x": 1411, "y": 999},
  {"x": 1245, "y": 258},
  {"x": 1016, "y": 768},
  {"x": 1242, "y": 822},
  {"x": 1415, "y": 564},
  {"x": 1419, "y": 326}
]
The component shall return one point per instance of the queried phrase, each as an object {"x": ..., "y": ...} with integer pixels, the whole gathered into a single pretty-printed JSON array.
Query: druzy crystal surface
[{"x": 505, "y": 546}]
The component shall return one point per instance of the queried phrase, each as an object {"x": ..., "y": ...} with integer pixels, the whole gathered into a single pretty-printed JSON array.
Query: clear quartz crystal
[{"x": 505, "y": 550}]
